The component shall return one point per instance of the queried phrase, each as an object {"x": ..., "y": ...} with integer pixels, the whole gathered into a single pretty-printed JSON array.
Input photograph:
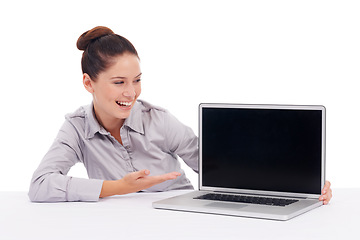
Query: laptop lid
[{"x": 262, "y": 149}]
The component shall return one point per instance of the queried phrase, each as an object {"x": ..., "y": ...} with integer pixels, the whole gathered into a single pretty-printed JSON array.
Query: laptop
[{"x": 259, "y": 161}]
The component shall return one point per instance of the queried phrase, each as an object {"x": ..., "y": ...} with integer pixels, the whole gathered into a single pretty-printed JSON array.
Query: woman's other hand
[{"x": 326, "y": 193}]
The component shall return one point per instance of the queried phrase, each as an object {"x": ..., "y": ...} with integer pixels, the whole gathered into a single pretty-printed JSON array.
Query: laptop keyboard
[{"x": 282, "y": 202}]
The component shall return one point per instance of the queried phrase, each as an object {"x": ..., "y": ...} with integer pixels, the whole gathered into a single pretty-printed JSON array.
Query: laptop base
[{"x": 186, "y": 202}]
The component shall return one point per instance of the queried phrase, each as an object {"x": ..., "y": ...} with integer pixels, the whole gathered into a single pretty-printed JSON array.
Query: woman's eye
[
  {"x": 138, "y": 80},
  {"x": 121, "y": 82}
]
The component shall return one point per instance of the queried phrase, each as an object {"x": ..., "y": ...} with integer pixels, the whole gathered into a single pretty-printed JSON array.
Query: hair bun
[{"x": 95, "y": 33}]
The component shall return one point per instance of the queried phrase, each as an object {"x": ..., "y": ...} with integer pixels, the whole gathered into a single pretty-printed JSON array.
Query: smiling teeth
[{"x": 126, "y": 104}]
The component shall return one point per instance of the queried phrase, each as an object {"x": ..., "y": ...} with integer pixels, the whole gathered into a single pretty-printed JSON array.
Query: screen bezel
[{"x": 263, "y": 106}]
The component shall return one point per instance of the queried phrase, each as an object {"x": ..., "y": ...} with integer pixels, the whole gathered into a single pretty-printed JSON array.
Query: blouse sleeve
[
  {"x": 182, "y": 141},
  {"x": 50, "y": 182}
]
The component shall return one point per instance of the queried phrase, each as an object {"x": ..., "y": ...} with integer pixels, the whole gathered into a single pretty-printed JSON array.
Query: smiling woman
[{"x": 119, "y": 139}]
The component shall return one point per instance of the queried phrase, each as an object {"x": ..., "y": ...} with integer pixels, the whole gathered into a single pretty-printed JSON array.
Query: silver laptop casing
[{"x": 186, "y": 202}]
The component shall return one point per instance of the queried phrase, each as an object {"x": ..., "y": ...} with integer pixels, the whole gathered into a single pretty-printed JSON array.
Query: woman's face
[{"x": 116, "y": 89}]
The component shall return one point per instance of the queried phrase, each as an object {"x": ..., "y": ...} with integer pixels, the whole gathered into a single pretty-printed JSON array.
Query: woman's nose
[{"x": 130, "y": 92}]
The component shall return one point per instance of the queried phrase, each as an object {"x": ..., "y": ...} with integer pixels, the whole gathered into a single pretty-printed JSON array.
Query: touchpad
[{"x": 225, "y": 205}]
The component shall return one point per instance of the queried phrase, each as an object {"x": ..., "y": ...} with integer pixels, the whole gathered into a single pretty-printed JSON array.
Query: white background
[{"x": 280, "y": 52}]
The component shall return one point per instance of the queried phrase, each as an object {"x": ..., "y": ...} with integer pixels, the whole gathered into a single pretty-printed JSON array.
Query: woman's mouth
[{"x": 124, "y": 104}]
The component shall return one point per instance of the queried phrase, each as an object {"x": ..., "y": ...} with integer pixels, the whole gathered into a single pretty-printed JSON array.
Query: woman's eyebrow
[{"x": 124, "y": 77}]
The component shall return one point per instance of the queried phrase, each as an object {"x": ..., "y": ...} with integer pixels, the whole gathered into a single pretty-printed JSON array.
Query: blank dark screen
[{"x": 262, "y": 149}]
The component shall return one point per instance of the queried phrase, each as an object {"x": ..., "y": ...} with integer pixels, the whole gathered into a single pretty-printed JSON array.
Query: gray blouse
[{"x": 152, "y": 139}]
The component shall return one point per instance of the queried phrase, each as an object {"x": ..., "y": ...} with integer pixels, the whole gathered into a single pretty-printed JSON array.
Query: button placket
[
  {"x": 123, "y": 154},
  {"x": 126, "y": 146}
]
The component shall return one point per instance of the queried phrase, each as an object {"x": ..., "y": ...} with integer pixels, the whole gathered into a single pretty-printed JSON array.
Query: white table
[{"x": 132, "y": 217}]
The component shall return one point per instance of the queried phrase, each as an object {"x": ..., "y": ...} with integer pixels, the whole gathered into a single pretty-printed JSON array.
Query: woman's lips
[{"x": 124, "y": 104}]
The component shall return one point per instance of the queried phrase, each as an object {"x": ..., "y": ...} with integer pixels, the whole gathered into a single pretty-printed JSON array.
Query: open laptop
[{"x": 261, "y": 161}]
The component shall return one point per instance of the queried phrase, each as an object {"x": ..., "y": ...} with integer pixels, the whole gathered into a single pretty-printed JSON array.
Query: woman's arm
[
  {"x": 181, "y": 140},
  {"x": 50, "y": 182}
]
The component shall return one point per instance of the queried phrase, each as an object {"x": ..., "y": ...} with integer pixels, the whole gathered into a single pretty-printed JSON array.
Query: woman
[{"x": 119, "y": 139}]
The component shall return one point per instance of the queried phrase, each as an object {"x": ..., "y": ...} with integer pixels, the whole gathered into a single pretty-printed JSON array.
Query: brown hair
[{"x": 100, "y": 46}]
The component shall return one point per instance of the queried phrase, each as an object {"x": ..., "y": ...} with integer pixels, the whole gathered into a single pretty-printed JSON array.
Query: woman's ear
[{"x": 88, "y": 84}]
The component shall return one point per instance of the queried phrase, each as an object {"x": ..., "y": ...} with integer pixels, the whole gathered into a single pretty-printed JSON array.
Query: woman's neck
[{"x": 111, "y": 125}]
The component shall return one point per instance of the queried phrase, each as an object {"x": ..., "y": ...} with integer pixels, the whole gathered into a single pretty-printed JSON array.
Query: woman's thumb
[{"x": 141, "y": 173}]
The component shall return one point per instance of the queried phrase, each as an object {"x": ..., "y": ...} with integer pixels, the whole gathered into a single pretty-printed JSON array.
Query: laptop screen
[{"x": 262, "y": 147}]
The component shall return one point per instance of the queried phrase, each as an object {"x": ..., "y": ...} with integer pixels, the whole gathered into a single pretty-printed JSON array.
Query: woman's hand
[
  {"x": 326, "y": 193},
  {"x": 134, "y": 182},
  {"x": 137, "y": 181}
]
